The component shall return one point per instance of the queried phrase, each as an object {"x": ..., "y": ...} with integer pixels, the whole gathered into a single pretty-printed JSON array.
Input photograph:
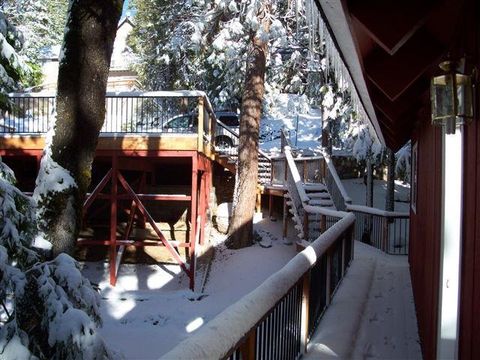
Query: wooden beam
[
  {"x": 393, "y": 75},
  {"x": 390, "y": 23}
]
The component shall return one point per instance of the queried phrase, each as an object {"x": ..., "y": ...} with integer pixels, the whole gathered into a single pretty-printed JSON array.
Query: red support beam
[
  {"x": 149, "y": 218},
  {"x": 193, "y": 220},
  {"x": 113, "y": 221}
]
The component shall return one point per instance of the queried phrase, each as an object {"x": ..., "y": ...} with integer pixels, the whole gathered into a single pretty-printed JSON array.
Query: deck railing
[
  {"x": 147, "y": 113},
  {"x": 276, "y": 320},
  {"x": 386, "y": 230}
]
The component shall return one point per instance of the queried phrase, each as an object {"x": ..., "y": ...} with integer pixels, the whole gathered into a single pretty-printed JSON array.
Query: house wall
[
  {"x": 469, "y": 347},
  {"x": 424, "y": 251}
]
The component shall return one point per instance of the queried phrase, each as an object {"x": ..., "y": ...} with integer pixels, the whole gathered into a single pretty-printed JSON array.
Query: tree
[
  {"x": 13, "y": 68},
  {"x": 241, "y": 226},
  {"x": 42, "y": 23},
  {"x": 390, "y": 196},
  {"x": 48, "y": 309},
  {"x": 65, "y": 168}
]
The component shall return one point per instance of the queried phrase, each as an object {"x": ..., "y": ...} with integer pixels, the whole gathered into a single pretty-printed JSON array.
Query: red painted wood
[
  {"x": 193, "y": 221},
  {"x": 149, "y": 218},
  {"x": 113, "y": 221},
  {"x": 130, "y": 242},
  {"x": 148, "y": 197},
  {"x": 22, "y": 152},
  {"x": 424, "y": 251},
  {"x": 94, "y": 194}
]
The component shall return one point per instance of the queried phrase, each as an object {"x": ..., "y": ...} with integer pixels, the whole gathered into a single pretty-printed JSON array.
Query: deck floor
[{"x": 372, "y": 315}]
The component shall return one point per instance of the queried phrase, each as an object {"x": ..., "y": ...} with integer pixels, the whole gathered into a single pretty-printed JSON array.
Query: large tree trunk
[
  {"x": 390, "y": 196},
  {"x": 82, "y": 82},
  {"x": 241, "y": 225}
]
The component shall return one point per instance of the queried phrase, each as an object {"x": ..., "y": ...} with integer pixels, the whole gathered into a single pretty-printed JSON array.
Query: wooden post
[
  {"x": 305, "y": 226},
  {"x": 285, "y": 217},
  {"x": 305, "y": 311},
  {"x": 113, "y": 221},
  {"x": 247, "y": 349},
  {"x": 305, "y": 170},
  {"x": 200, "y": 124},
  {"x": 385, "y": 234},
  {"x": 323, "y": 223},
  {"x": 328, "y": 276},
  {"x": 193, "y": 221}
]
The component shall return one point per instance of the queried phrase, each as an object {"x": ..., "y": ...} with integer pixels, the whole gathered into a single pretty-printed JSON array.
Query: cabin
[{"x": 393, "y": 50}]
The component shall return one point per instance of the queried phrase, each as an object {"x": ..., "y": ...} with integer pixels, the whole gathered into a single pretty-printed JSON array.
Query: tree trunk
[
  {"x": 82, "y": 82},
  {"x": 390, "y": 196},
  {"x": 366, "y": 236},
  {"x": 241, "y": 225},
  {"x": 369, "y": 193}
]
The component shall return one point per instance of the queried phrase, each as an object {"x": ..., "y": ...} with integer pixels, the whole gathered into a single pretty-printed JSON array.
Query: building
[
  {"x": 392, "y": 51},
  {"x": 121, "y": 77}
]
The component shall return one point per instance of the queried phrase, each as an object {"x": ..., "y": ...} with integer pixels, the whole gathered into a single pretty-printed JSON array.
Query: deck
[{"x": 151, "y": 177}]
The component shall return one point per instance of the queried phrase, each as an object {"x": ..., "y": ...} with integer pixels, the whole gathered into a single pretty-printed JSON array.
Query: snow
[
  {"x": 150, "y": 310},
  {"x": 234, "y": 322},
  {"x": 356, "y": 189},
  {"x": 373, "y": 309}
]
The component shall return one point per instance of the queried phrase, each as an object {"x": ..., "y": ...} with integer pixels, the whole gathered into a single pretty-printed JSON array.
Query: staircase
[
  {"x": 227, "y": 157},
  {"x": 311, "y": 204}
]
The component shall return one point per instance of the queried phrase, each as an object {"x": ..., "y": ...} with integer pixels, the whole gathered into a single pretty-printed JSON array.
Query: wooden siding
[
  {"x": 469, "y": 347},
  {"x": 424, "y": 252}
]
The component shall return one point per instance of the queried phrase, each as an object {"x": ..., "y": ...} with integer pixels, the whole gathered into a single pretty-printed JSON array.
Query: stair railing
[
  {"x": 334, "y": 185},
  {"x": 310, "y": 221},
  {"x": 264, "y": 161}
]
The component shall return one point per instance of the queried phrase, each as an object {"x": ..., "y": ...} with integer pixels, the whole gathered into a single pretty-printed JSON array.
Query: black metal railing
[
  {"x": 387, "y": 231},
  {"x": 136, "y": 112},
  {"x": 299, "y": 294}
]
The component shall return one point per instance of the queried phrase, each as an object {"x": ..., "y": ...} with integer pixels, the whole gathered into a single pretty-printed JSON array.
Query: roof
[{"x": 392, "y": 49}]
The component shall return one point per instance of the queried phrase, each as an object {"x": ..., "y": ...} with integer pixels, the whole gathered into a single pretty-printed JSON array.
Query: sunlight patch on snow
[
  {"x": 194, "y": 325},
  {"x": 155, "y": 281},
  {"x": 119, "y": 307}
]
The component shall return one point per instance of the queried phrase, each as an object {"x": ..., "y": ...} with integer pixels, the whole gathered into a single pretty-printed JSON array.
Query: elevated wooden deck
[{"x": 150, "y": 142}]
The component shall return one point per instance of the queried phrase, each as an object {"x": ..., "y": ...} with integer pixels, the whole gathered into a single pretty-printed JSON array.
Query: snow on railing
[
  {"x": 278, "y": 316},
  {"x": 386, "y": 230}
]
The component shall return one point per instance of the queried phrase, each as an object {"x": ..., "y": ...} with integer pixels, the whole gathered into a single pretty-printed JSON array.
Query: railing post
[
  {"x": 385, "y": 234},
  {"x": 328, "y": 276},
  {"x": 200, "y": 124},
  {"x": 305, "y": 311},
  {"x": 305, "y": 225},
  {"x": 323, "y": 224},
  {"x": 247, "y": 349}
]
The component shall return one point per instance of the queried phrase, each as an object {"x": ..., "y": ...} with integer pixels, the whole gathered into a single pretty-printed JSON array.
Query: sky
[{"x": 125, "y": 7}]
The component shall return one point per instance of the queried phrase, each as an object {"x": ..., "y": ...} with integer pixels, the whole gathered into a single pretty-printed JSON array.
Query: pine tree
[{"x": 13, "y": 69}]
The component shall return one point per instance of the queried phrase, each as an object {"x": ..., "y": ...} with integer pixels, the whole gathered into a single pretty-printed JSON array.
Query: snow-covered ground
[
  {"x": 372, "y": 315},
  {"x": 150, "y": 310},
  {"x": 356, "y": 190}
]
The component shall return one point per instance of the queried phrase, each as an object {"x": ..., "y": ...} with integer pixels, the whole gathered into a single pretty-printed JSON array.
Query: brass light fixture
[{"x": 452, "y": 97}]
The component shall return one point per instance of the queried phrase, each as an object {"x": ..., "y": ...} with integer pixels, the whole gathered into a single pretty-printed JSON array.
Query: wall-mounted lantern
[{"x": 452, "y": 97}]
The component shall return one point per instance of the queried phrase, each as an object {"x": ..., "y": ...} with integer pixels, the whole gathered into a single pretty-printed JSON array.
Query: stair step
[
  {"x": 314, "y": 187},
  {"x": 321, "y": 202},
  {"x": 319, "y": 195}
]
